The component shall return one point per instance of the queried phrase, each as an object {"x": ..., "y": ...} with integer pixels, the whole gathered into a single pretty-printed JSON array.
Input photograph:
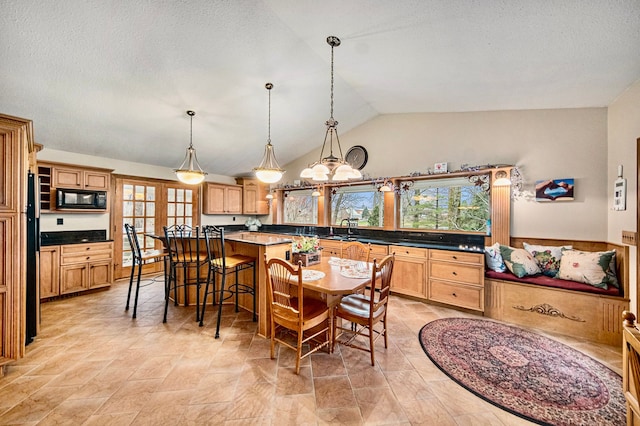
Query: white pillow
[
  {"x": 494, "y": 258},
  {"x": 547, "y": 257}
]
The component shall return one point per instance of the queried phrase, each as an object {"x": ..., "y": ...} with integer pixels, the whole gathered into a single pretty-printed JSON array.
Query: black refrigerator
[{"x": 33, "y": 254}]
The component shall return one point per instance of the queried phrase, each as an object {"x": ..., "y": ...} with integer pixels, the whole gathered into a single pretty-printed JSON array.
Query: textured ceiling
[{"x": 114, "y": 78}]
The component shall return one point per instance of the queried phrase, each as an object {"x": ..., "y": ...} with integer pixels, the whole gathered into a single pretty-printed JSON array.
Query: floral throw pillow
[
  {"x": 494, "y": 258},
  {"x": 547, "y": 257},
  {"x": 592, "y": 268},
  {"x": 519, "y": 261}
]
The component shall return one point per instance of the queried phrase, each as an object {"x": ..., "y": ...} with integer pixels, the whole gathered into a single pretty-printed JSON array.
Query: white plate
[
  {"x": 311, "y": 275},
  {"x": 354, "y": 273},
  {"x": 336, "y": 261}
]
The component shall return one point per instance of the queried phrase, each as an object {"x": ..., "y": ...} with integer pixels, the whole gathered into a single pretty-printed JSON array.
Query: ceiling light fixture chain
[{"x": 269, "y": 171}]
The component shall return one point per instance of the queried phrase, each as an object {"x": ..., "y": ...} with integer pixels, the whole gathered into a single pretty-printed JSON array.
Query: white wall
[
  {"x": 563, "y": 143},
  {"x": 624, "y": 131}
]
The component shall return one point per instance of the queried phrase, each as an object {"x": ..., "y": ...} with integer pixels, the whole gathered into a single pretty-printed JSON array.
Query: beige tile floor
[{"x": 93, "y": 365}]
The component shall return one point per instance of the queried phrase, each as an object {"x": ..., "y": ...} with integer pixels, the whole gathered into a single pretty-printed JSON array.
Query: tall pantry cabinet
[{"x": 16, "y": 141}]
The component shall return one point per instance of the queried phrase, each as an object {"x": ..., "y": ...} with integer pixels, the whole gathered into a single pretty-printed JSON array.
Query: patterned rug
[{"x": 529, "y": 375}]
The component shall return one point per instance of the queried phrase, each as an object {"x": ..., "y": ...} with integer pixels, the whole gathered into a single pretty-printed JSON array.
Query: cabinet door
[
  {"x": 49, "y": 271},
  {"x": 250, "y": 198},
  {"x": 96, "y": 180},
  {"x": 234, "y": 200},
  {"x": 73, "y": 278},
  {"x": 409, "y": 276},
  {"x": 213, "y": 202},
  {"x": 100, "y": 274},
  {"x": 67, "y": 178}
]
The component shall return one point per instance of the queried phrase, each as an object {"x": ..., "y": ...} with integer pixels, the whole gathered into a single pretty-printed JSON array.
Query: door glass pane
[
  {"x": 141, "y": 214},
  {"x": 171, "y": 195},
  {"x": 151, "y": 193}
]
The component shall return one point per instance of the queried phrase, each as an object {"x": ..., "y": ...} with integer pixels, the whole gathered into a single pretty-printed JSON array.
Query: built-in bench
[{"x": 567, "y": 307}]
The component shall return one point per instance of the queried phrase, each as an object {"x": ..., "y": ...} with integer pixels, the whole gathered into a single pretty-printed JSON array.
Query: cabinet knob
[
  {"x": 88, "y": 257},
  {"x": 88, "y": 248},
  {"x": 455, "y": 257},
  {"x": 454, "y": 273},
  {"x": 454, "y": 295}
]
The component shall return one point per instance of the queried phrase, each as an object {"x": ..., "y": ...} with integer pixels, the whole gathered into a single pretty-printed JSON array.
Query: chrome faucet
[{"x": 351, "y": 224}]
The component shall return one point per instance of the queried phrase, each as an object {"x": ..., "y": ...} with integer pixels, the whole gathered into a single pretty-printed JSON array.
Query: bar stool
[
  {"x": 183, "y": 244},
  {"x": 221, "y": 264},
  {"x": 140, "y": 259}
]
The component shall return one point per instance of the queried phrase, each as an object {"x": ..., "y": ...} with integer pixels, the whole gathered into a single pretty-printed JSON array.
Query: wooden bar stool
[{"x": 221, "y": 264}]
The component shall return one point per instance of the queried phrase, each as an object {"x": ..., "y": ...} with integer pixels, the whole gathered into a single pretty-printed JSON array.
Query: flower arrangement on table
[{"x": 306, "y": 250}]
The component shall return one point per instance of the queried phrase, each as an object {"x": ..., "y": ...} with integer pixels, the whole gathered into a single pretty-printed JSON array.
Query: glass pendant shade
[
  {"x": 269, "y": 171},
  {"x": 306, "y": 173},
  {"x": 190, "y": 171}
]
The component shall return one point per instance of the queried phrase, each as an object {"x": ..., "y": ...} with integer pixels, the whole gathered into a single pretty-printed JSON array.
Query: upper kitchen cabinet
[
  {"x": 219, "y": 198},
  {"x": 254, "y": 195},
  {"x": 52, "y": 176},
  {"x": 81, "y": 178}
]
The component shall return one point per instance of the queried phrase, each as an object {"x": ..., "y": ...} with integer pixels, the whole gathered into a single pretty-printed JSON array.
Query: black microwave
[{"x": 81, "y": 199}]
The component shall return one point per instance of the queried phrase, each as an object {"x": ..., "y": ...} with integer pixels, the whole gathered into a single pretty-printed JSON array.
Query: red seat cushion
[{"x": 545, "y": 281}]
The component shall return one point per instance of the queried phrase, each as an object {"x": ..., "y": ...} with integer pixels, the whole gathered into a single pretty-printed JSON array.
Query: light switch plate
[{"x": 629, "y": 237}]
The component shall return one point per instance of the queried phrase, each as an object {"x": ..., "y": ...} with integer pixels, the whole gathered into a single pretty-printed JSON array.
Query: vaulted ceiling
[{"x": 115, "y": 78}]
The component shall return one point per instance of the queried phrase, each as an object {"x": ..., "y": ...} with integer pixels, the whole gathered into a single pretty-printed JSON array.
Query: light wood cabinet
[
  {"x": 49, "y": 271},
  {"x": 456, "y": 278},
  {"x": 409, "y": 271},
  {"x": 81, "y": 178},
  {"x": 254, "y": 195},
  {"x": 16, "y": 141},
  {"x": 85, "y": 266},
  {"x": 221, "y": 199},
  {"x": 330, "y": 248}
]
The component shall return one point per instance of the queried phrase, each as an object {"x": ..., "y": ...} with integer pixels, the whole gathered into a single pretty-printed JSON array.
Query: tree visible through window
[
  {"x": 364, "y": 203},
  {"x": 456, "y": 204},
  {"x": 300, "y": 207}
]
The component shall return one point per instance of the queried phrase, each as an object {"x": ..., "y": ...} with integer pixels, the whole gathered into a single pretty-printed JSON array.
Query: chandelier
[
  {"x": 331, "y": 166},
  {"x": 192, "y": 175},
  {"x": 269, "y": 171}
]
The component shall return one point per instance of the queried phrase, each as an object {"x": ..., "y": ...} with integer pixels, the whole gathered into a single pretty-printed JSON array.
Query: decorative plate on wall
[{"x": 357, "y": 156}]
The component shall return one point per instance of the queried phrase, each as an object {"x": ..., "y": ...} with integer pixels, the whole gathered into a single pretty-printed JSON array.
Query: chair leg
[
  {"x": 167, "y": 292},
  {"x": 198, "y": 293},
  {"x": 373, "y": 356},
  {"x": 384, "y": 323},
  {"x": 133, "y": 269},
  {"x": 273, "y": 339},
  {"x": 135, "y": 302},
  {"x": 299, "y": 351},
  {"x": 254, "y": 291},
  {"x": 223, "y": 281},
  {"x": 237, "y": 289},
  {"x": 204, "y": 300}
]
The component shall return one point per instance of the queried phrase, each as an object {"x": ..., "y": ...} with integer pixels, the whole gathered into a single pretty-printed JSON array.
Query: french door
[{"x": 148, "y": 205}]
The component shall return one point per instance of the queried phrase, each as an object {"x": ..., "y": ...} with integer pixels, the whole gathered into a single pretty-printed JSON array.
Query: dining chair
[
  {"x": 221, "y": 264},
  {"x": 139, "y": 259},
  {"x": 292, "y": 314},
  {"x": 355, "y": 250},
  {"x": 368, "y": 309},
  {"x": 183, "y": 243}
]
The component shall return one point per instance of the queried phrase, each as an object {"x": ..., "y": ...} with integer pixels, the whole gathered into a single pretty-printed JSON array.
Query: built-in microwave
[{"x": 81, "y": 199}]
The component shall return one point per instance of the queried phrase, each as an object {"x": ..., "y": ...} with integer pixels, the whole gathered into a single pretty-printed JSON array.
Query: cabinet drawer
[
  {"x": 408, "y": 251},
  {"x": 84, "y": 257},
  {"x": 377, "y": 252},
  {"x": 456, "y": 256},
  {"x": 461, "y": 295},
  {"x": 86, "y": 248},
  {"x": 469, "y": 274}
]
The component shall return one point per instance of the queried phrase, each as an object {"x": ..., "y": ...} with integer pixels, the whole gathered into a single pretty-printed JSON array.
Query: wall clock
[{"x": 357, "y": 156}]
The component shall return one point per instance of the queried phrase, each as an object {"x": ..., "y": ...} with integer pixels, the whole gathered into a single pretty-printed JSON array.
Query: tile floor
[{"x": 93, "y": 365}]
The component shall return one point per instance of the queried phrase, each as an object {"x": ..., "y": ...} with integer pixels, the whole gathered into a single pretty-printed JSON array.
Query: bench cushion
[{"x": 545, "y": 281}]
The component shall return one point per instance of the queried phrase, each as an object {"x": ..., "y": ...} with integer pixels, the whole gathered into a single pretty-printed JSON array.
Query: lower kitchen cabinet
[
  {"x": 85, "y": 266},
  {"x": 409, "y": 271},
  {"x": 456, "y": 278},
  {"x": 49, "y": 271}
]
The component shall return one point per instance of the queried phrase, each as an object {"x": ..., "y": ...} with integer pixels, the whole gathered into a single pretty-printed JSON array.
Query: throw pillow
[
  {"x": 588, "y": 267},
  {"x": 494, "y": 258},
  {"x": 519, "y": 261},
  {"x": 547, "y": 257}
]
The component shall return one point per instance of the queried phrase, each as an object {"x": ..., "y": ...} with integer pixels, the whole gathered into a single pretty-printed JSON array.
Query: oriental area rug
[{"x": 527, "y": 374}]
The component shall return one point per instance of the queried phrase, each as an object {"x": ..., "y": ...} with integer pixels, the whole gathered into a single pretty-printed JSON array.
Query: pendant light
[
  {"x": 269, "y": 171},
  {"x": 331, "y": 166},
  {"x": 192, "y": 175}
]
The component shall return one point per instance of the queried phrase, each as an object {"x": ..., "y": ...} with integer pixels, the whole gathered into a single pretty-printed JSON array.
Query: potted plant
[{"x": 306, "y": 249}]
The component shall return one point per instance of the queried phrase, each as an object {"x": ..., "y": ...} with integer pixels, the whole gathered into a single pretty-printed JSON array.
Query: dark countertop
[{"x": 54, "y": 238}]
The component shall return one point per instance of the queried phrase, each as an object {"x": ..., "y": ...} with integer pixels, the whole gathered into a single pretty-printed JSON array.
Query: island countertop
[{"x": 256, "y": 238}]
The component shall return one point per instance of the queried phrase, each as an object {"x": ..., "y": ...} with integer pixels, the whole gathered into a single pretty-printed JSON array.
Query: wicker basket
[{"x": 307, "y": 258}]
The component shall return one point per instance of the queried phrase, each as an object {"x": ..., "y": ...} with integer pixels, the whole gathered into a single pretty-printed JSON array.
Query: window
[
  {"x": 300, "y": 207},
  {"x": 455, "y": 204},
  {"x": 364, "y": 203}
]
